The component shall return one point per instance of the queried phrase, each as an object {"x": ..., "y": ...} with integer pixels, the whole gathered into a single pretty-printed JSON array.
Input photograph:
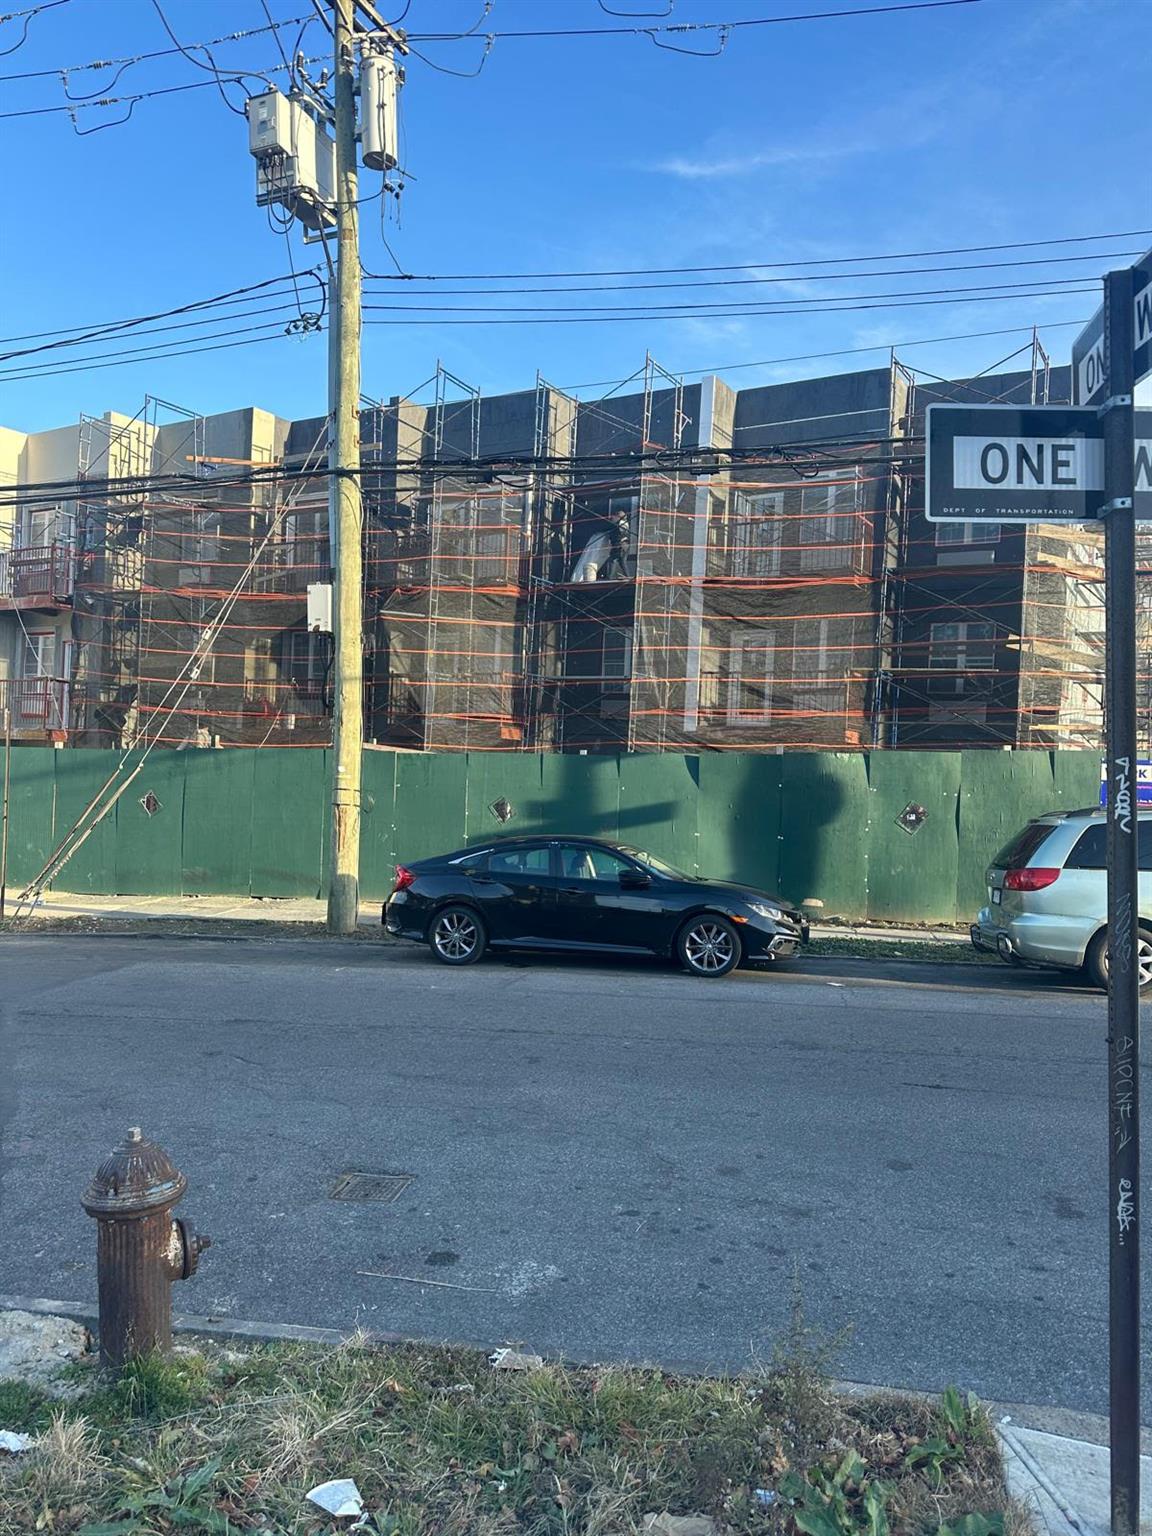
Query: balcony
[
  {"x": 40, "y": 706},
  {"x": 39, "y": 577}
]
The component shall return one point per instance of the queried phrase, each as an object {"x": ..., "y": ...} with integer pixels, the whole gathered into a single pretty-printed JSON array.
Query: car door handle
[{"x": 571, "y": 890}]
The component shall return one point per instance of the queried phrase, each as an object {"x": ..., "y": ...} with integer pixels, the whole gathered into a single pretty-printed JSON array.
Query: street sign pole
[{"x": 1116, "y": 415}]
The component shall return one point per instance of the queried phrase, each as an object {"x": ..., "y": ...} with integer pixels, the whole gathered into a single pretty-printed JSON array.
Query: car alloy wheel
[
  {"x": 1143, "y": 960},
  {"x": 709, "y": 947},
  {"x": 457, "y": 936},
  {"x": 1096, "y": 961}
]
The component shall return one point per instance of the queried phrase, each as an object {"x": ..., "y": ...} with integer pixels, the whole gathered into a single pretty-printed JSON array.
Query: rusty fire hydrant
[{"x": 141, "y": 1248}]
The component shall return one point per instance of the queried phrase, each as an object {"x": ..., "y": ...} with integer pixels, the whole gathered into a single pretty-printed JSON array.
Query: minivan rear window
[{"x": 1017, "y": 853}]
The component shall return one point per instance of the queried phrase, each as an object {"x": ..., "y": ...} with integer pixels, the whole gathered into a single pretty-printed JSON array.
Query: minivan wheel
[
  {"x": 1096, "y": 960},
  {"x": 457, "y": 936},
  {"x": 708, "y": 946}
]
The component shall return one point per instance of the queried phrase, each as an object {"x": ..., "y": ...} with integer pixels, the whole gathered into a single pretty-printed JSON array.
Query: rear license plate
[{"x": 996, "y": 896}]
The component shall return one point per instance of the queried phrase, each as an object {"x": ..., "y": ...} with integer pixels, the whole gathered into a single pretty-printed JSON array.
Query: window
[
  {"x": 1016, "y": 854},
  {"x": 307, "y": 658},
  {"x": 38, "y": 653},
  {"x": 205, "y": 542},
  {"x": 520, "y": 861},
  {"x": 751, "y": 671},
  {"x": 617, "y": 659},
  {"x": 757, "y": 524},
  {"x": 583, "y": 863},
  {"x": 491, "y": 658},
  {"x": 1091, "y": 850},
  {"x": 967, "y": 533},
  {"x": 961, "y": 648},
  {"x": 830, "y": 528},
  {"x": 43, "y": 525},
  {"x": 815, "y": 693}
]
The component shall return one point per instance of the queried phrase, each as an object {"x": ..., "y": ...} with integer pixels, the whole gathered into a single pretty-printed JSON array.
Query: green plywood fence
[{"x": 822, "y": 825}]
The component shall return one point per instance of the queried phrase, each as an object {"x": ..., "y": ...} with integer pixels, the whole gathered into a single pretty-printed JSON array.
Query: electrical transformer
[
  {"x": 295, "y": 159},
  {"x": 380, "y": 81}
]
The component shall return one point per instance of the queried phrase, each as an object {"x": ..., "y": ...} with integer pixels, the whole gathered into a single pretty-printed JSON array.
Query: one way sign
[
  {"x": 1088, "y": 380},
  {"x": 1023, "y": 464}
]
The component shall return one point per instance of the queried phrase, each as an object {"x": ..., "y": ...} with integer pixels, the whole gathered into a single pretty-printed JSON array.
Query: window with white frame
[
  {"x": 967, "y": 533},
  {"x": 757, "y": 524},
  {"x": 205, "y": 541},
  {"x": 617, "y": 659},
  {"x": 751, "y": 675},
  {"x": 491, "y": 654},
  {"x": 816, "y": 690},
  {"x": 307, "y": 657},
  {"x": 38, "y": 653},
  {"x": 960, "y": 648},
  {"x": 831, "y": 532},
  {"x": 44, "y": 525}
]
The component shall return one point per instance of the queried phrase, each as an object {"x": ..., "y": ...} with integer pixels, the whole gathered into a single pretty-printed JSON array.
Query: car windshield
[{"x": 659, "y": 866}]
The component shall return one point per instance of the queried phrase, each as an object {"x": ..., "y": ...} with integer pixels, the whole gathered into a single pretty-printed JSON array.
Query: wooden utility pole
[{"x": 346, "y": 513}]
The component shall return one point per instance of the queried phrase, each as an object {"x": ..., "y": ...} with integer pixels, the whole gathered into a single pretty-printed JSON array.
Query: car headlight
[{"x": 762, "y": 909}]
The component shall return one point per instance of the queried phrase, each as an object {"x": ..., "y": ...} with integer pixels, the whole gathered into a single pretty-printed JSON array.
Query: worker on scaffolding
[
  {"x": 605, "y": 555},
  {"x": 620, "y": 546}
]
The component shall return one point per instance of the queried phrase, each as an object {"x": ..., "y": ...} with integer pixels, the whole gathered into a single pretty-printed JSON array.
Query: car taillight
[
  {"x": 1030, "y": 879},
  {"x": 404, "y": 878}
]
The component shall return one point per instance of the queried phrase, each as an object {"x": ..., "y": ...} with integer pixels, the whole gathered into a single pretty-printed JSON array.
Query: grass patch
[
  {"x": 439, "y": 1442},
  {"x": 901, "y": 949}
]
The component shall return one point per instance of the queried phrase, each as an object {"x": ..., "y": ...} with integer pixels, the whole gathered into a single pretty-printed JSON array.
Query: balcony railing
[
  {"x": 37, "y": 703},
  {"x": 41, "y": 573}
]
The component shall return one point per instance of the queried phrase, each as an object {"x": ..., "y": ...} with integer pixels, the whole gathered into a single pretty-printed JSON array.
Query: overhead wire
[
  {"x": 27, "y": 16},
  {"x": 700, "y": 26},
  {"x": 737, "y": 314},
  {"x": 111, "y": 326},
  {"x": 192, "y": 59},
  {"x": 155, "y": 53},
  {"x": 740, "y": 282},
  {"x": 776, "y": 266}
]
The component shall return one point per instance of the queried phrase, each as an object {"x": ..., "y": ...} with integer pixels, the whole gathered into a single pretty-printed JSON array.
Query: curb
[{"x": 1064, "y": 1423}]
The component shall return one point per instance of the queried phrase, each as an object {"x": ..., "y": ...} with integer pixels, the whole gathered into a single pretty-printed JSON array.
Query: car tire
[
  {"x": 708, "y": 946},
  {"x": 457, "y": 936},
  {"x": 1096, "y": 959}
]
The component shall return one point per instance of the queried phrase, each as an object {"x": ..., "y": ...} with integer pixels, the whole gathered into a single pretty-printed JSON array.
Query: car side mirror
[{"x": 634, "y": 880}]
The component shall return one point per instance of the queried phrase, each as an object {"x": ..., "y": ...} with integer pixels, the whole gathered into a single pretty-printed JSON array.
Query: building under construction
[{"x": 671, "y": 566}]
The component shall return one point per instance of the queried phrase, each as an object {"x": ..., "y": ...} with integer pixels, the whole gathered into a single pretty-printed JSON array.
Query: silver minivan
[{"x": 1048, "y": 896}]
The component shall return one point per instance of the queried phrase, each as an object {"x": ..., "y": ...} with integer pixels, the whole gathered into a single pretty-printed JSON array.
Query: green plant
[
  {"x": 183, "y": 1503},
  {"x": 973, "y": 1525},
  {"x": 961, "y": 1423},
  {"x": 842, "y": 1501},
  {"x": 23, "y": 1407}
]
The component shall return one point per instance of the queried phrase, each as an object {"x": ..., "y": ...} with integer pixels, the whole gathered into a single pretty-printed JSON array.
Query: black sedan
[{"x": 576, "y": 893}]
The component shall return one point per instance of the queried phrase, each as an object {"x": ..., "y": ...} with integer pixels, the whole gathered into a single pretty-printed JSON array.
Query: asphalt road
[{"x": 611, "y": 1162}]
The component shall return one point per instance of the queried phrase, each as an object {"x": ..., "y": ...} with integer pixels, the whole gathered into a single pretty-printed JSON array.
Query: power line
[
  {"x": 750, "y": 307},
  {"x": 697, "y": 26},
  {"x": 813, "y": 277},
  {"x": 752, "y": 266},
  {"x": 27, "y": 17},
  {"x": 807, "y": 357},
  {"x": 156, "y": 53},
  {"x": 736, "y": 314},
  {"x": 100, "y": 331}
]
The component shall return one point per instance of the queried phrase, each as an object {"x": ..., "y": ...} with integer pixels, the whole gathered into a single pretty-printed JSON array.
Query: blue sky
[{"x": 1005, "y": 120}]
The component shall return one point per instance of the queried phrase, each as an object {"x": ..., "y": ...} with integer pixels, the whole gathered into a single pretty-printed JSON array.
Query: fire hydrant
[{"x": 141, "y": 1248}]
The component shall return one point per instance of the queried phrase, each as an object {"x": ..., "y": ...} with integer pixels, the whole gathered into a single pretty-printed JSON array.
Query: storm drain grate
[{"x": 383, "y": 1187}]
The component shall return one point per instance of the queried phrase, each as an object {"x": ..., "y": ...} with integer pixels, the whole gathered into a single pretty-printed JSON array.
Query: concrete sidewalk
[
  {"x": 61, "y": 904},
  {"x": 1065, "y": 1482}
]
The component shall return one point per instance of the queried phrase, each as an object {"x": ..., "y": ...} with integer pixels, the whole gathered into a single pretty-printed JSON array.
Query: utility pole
[
  {"x": 346, "y": 511},
  {"x": 1123, "y": 899}
]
